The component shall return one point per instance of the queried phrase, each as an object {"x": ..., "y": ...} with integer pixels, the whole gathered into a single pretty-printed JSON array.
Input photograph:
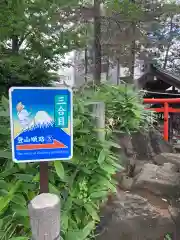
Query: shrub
[{"x": 82, "y": 183}]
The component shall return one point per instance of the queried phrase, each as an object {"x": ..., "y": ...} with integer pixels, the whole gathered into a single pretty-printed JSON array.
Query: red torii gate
[{"x": 166, "y": 110}]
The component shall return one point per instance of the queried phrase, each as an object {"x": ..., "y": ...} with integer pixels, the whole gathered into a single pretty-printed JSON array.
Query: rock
[
  {"x": 126, "y": 182},
  {"x": 170, "y": 166},
  {"x": 174, "y": 210},
  {"x": 161, "y": 180},
  {"x": 139, "y": 166},
  {"x": 126, "y": 144},
  {"x": 131, "y": 217},
  {"x": 168, "y": 157},
  {"x": 175, "y": 214},
  {"x": 177, "y": 147},
  {"x": 142, "y": 145},
  {"x": 158, "y": 144}
]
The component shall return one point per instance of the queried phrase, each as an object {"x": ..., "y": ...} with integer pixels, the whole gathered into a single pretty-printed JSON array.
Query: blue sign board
[{"x": 41, "y": 124}]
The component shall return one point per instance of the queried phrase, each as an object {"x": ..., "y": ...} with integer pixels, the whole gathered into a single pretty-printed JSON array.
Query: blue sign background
[{"x": 34, "y": 133}]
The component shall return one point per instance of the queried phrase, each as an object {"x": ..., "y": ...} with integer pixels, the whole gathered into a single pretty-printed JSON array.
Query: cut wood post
[
  {"x": 44, "y": 212},
  {"x": 99, "y": 118}
]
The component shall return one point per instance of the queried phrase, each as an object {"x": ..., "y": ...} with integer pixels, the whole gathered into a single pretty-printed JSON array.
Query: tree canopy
[{"x": 32, "y": 40}]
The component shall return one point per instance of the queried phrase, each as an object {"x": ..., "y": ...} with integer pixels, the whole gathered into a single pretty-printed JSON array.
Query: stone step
[
  {"x": 173, "y": 158},
  {"x": 163, "y": 180},
  {"x": 131, "y": 217}
]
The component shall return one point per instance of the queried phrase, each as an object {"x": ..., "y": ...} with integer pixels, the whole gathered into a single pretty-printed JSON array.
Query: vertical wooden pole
[
  {"x": 44, "y": 212},
  {"x": 44, "y": 181},
  {"x": 166, "y": 121}
]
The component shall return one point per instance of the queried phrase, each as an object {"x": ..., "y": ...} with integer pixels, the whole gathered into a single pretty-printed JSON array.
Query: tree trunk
[
  {"x": 15, "y": 44},
  {"x": 133, "y": 53},
  {"x": 133, "y": 50},
  {"x": 97, "y": 43},
  {"x": 86, "y": 56},
  {"x": 169, "y": 43},
  {"x": 118, "y": 71},
  {"x": 107, "y": 72},
  {"x": 86, "y": 64}
]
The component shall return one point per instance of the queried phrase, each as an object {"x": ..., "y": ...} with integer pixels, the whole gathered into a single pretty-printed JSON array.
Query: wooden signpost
[{"x": 42, "y": 131}]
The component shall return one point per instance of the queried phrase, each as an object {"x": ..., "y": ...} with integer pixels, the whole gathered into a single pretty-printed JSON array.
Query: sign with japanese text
[{"x": 41, "y": 124}]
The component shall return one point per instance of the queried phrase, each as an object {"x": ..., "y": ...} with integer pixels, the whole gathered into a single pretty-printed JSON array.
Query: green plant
[
  {"x": 124, "y": 109},
  {"x": 82, "y": 183},
  {"x": 168, "y": 236}
]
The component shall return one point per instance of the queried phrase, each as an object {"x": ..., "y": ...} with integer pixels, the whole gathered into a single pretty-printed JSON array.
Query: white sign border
[{"x": 12, "y": 127}]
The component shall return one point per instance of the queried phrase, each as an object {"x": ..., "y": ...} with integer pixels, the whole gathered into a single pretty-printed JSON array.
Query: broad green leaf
[
  {"x": 8, "y": 172},
  {"x": 19, "y": 199},
  {"x": 24, "y": 177},
  {"x": 5, "y": 102},
  {"x": 20, "y": 210},
  {"x": 112, "y": 144},
  {"x": 68, "y": 204},
  {"x": 90, "y": 209},
  {"x": 4, "y": 185},
  {"x": 99, "y": 194},
  {"x": 1, "y": 223},
  {"x": 112, "y": 187},
  {"x": 22, "y": 166},
  {"x": 59, "y": 169},
  {"x": 86, "y": 170},
  {"x": 4, "y": 130},
  {"x": 3, "y": 192},
  {"x": 31, "y": 195},
  {"x": 53, "y": 189},
  {"x": 64, "y": 220},
  {"x": 78, "y": 201},
  {"x": 4, "y": 113},
  {"x": 74, "y": 235},
  {"x": 81, "y": 234},
  {"x": 76, "y": 122},
  {"x": 27, "y": 186},
  {"x": 4, "y": 201},
  {"x": 36, "y": 178},
  {"x": 108, "y": 168},
  {"x": 19, "y": 238},
  {"x": 88, "y": 229},
  {"x": 83, "y": 131},
  {"x": 5, "y": 154},
  {"x": 102, "y": 157}
]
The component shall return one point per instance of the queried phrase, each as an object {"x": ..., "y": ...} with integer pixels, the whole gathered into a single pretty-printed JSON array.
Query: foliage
[
  {"x": 33, "y": 40},
  {"x": 124, "y": 109},
  {"x": 164, "y": 38},
  {"x": 82, "y": 183},
  {"x": 141, "y": 29}
]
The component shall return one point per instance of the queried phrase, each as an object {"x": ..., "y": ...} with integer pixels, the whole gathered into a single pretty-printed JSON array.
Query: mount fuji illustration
[
  {"x": 42, "y": 134},
  {"x": 41, "y": 120}
]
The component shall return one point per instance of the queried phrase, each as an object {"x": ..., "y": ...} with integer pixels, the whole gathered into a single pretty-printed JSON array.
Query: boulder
[
  {"x": 173, "y": 158},
  {"x": 161, "y": 180},
  {"x": 141, "y": 143},
  {"x": 126, "y": 182},
  {"x": 139, "y": 166},
  {"x": 131, "y": 217},
  {"x": 158, "y": 144}
]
